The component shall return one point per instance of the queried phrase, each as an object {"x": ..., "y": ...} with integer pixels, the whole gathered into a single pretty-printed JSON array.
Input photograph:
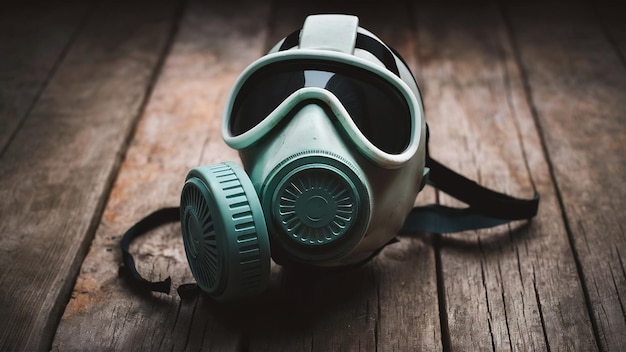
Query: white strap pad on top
[{"x": 330, "y": 32}]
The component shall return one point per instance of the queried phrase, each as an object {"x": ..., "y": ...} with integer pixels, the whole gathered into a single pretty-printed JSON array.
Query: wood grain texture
[
  {"x": 55, "y": 175},
  {"x": 34, "y": 38},
  {"x": 513, "y": 287},
  {"x": 577, "y": 82},
  {"x": 520, "y": 96},
  {"x": 179, "y": 129}
]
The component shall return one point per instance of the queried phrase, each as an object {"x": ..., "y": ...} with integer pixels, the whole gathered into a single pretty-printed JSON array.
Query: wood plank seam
[
  {"x": 63, "y": 300},
  {"x": 171, "y": 36},
  {"x": 205, "y": 56},
  {"x": 486, "y": 290},
  {"x": 61, "y": 287},
  {"x": 621, "y": 304},
  {"x": 503, "y": 298},
  {"x": 85, "y": 18},
  {"x": 444, "y": 61},
  {"x": 546, "y": 154},
  {"x": 539, "y": 306},
  {"x": 441, "y": 292}
]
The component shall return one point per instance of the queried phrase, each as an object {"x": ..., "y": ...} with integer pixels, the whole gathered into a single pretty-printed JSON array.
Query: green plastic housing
[{"x": 224, "y": 232}]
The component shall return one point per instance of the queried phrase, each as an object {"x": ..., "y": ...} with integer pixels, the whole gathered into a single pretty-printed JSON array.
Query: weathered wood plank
[
  {"x": 179, "y": 129},
  {"x": 56, "y": 173},
  {"x": 406, "y": 282},
  {"x": 389, "y": 303},
  {"x": 577, "y": 84},
  {"x": 513, "y": 287},
  {"x": 613, "y": 20},
  {"x": 33, "y": 40}
]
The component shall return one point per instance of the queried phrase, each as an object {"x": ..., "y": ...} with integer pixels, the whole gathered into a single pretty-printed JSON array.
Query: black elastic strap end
[
  {"x": 187, "y": 291},
  {"x": 128, "y": 269}
]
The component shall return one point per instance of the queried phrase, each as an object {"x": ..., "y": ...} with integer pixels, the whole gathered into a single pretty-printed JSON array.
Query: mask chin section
[{"x": 319, "y": 208}]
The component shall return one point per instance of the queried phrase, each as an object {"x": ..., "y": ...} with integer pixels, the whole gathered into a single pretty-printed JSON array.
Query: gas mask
[{"x": 330, "y": 129}]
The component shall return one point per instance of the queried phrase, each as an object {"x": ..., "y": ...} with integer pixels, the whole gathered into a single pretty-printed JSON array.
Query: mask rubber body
[
  {"x": 325, "y": 203},
  {"x": 331, "y": 135}
]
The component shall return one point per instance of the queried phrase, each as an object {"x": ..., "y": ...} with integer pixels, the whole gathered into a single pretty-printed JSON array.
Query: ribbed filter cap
[
  {"x": 316, "y": 206},
  {"x": 224, "y": 232},
  {"x": 319, "y": 207}
]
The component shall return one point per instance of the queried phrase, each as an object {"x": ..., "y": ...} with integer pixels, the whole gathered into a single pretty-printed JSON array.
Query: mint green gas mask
[
  {"x": 333, "y": 146},
  {"x": 330, "y": 129}
]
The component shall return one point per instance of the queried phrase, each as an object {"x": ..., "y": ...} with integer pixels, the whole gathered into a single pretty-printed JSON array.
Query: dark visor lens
[{"x": 378, "y": 109}]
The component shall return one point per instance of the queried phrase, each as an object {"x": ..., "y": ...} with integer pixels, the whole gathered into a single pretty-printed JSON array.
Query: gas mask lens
[{"x": 377, "y": 107}]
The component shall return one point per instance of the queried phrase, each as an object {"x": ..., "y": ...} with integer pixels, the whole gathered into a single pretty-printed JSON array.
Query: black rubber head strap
[
  {"x": 486, "y": 207},
  {"x": 483, "y": 200},
  {"x": 152, "y": 221}
]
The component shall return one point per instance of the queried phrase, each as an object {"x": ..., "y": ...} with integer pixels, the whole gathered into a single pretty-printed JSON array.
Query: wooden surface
[{"x": 104, "y": 107}]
